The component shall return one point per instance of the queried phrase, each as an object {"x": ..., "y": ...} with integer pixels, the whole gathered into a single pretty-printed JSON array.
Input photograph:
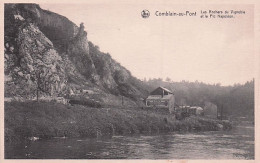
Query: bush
[{"x": 182, "y": 115}]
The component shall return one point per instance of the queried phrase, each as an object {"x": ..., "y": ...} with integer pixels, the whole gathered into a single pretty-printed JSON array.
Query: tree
[{"x": 168, "y": 79}]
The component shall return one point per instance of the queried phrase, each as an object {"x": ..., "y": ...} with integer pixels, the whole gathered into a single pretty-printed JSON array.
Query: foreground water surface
[{"x": 235, "y": 144}]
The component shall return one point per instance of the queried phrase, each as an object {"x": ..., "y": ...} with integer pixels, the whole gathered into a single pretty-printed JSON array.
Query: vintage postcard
[{"x": 129, "y": 81}]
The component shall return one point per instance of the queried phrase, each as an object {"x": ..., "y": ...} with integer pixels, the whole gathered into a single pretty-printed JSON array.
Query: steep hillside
[{"x": 47, "y": 55}]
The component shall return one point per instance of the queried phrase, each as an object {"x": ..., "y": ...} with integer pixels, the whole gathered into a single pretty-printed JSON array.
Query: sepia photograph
[{"x": 125, "y": 80}]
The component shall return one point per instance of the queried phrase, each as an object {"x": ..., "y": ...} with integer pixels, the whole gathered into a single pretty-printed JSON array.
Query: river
[{"x": 235, "y": 144}]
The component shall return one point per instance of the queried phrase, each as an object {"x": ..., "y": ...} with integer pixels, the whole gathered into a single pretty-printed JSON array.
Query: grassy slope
[{"x": 46, "y": 120}]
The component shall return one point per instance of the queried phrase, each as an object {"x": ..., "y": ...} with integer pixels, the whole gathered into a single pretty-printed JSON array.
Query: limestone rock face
[
  {"x": 78, "y": 51},
  {"x": 47, "y": 54},
  {"x": 54, "y": 26},
  {"x": 35, "y": 64}
]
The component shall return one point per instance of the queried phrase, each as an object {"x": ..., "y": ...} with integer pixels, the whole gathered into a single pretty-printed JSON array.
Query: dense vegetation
[
  {"x": 48, "y": 119},
  {"x": 236, "y": 100}
]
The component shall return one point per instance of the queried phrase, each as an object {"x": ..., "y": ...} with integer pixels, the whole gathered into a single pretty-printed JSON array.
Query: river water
[{"x": 235, "y": 144}]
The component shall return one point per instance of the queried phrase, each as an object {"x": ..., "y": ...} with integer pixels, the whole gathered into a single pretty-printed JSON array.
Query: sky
[{"x": 182, "y": 48}]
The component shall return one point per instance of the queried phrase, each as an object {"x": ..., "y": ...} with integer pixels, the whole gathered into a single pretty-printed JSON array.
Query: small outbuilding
[
  {"x": 161, "y": 98},
  {"x": 192, "y": 110},
  {"x": 199, "y": 111}
]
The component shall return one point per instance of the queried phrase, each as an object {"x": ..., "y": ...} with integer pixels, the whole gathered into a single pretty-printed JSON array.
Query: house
[
  {"x": 161, "y": 98},
  {"x": 182, "y": 108},
  {"x": 191, "y": 110},
  {"x": 199, "y": 111},
  {"x": 196, "y": 110}
]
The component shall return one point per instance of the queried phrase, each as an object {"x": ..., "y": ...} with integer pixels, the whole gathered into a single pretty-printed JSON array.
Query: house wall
[
  {"x": 161, "y": 103},
  {"x": 157, "y": 103}
]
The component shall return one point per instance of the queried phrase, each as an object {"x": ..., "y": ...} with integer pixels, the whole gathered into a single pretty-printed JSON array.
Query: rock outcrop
[
  {"x": 48, "y": 55},
  {"x": 33, "y": 65}
]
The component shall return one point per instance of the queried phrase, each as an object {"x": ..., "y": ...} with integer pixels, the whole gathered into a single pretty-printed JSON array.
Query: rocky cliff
[{"x": 47, "y": 55}]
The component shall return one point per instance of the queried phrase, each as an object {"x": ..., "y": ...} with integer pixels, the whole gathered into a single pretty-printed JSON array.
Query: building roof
[
  {"x": 196, "y": 107},
  {"x": 165, "y": 89},
  {"x": 161, "y": 91}
]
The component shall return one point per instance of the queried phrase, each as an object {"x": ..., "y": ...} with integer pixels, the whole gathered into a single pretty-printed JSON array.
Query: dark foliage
[{"x": 236, "y": 100}]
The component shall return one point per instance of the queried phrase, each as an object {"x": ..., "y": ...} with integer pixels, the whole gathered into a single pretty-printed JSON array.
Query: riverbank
[{"x": 24, "y": 120}]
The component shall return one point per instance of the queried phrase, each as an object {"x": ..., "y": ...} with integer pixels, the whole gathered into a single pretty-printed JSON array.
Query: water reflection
[{"x": 235, "y": 144}]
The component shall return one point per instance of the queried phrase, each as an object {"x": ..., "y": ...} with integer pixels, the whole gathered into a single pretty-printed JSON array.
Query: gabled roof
[
  {"x": 159, "y": 90},
  {"x": 167, "y": 90}
]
